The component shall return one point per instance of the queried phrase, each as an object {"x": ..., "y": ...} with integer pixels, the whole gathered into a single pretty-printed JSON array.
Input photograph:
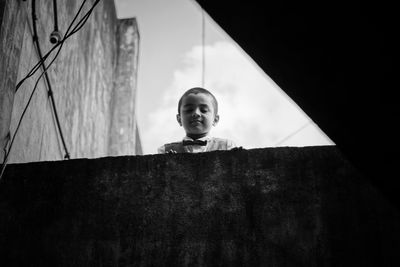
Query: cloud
[{"x": 254, "y": 112}]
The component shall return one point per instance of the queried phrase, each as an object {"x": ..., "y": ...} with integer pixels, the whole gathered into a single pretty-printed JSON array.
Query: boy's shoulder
[
  {"x": 218, "y": 139},
  {"x": 173, "y": 143},
  {"x": 221, "y": 143},
  {"x": 176, "y": 146}
]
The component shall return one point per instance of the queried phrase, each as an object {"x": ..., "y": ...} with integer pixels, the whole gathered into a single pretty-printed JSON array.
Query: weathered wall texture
[
  {"x": 123, "y": 116},
  {"x": 95, "y": 99},
  {"x": 261, "y": 207}
]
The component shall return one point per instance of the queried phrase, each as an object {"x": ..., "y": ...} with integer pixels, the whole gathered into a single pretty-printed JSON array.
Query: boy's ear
[
  {"x": 178, "y": 118},
  {"x": 216, "y": 120}
]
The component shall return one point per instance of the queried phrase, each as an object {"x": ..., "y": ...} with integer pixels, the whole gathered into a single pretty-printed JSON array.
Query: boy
[{"x": 197, "y": 113}]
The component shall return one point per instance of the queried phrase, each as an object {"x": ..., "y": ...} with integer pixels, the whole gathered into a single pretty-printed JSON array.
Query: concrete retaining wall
[{"x": 261, "y": 207}]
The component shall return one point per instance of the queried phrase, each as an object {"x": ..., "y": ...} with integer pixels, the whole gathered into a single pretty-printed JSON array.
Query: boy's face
[{"x": 197, "y": 114}]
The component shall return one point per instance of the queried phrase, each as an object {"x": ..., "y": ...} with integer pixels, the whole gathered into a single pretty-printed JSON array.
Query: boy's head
[{"x": 197, "y": 111}]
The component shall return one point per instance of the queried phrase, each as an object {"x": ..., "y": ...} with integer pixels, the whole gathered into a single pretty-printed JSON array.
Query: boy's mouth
[{"x": 195, "y": 122}]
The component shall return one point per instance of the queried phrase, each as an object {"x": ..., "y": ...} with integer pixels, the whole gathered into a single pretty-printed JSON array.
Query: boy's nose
[{"x": 196, "y": 113}]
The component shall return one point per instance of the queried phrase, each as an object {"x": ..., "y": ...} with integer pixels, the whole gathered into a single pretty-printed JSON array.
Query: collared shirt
[{"x": 213, "y": 143}]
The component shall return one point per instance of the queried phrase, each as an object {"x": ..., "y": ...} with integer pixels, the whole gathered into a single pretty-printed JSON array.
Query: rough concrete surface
[{"x": 260, "y": 207}]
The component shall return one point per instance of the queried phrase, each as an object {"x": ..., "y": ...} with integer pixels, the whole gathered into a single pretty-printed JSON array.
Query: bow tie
[{"x": 194, "y": 142}]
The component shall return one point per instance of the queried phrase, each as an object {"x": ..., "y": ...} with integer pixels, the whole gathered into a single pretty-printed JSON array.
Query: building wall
[
  {"x": 91, "y": 92},
  {"x": 261, "y": 207}
]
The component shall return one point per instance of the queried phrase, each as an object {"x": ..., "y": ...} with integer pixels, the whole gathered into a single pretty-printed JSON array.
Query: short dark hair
[{"x": 198, "y": 90}]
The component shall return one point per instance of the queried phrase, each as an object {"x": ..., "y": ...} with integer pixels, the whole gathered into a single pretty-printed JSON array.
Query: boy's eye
[{"x": 191, "y": 109}]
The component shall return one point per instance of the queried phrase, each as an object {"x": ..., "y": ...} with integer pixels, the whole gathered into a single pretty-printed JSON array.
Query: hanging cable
[
  {"x": 55, "y": 36},
  {"x": 68, "y": 34},
  {"x": 55, "y": 15},
  {"x": 19, "y": 124},
  {"x": 294, "y": 132},
  {"x": 47, "y": 79},
  {"x": 203, "y": 54}
]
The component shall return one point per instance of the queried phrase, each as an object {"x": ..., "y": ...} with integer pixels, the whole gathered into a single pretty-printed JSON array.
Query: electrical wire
[
  {"x": 55, "y": 15},
  {"x": 47, "y": 79},
  {"x": 77, "y": 27},
  {"x": 19, "y": 124},
  {"x": 37, "y": 65},
  {"x": 294, "y": 132},
  {"x": 203, "y": 54},
  {"x": 66, "y": 36}
]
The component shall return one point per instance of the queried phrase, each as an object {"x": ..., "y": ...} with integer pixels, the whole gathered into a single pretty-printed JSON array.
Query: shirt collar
[{"x": 205, "y": 138}]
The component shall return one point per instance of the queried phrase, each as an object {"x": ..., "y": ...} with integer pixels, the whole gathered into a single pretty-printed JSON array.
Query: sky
[{"x": 254, "y": 111}]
